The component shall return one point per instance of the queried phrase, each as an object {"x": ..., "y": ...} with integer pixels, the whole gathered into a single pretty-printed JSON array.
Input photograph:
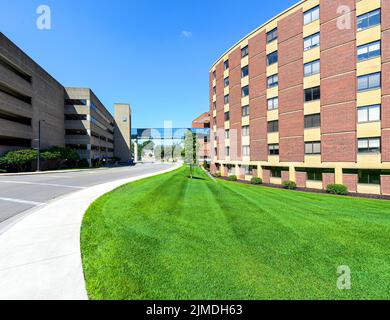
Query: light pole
[{"x": 39, "y": 146}]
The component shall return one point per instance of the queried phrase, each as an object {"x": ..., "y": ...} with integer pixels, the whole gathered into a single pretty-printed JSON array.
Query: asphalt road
[{"x": 19, "y": 194}]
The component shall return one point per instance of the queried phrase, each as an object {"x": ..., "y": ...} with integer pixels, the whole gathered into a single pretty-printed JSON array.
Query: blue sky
[{"x": 153, "y": 54}]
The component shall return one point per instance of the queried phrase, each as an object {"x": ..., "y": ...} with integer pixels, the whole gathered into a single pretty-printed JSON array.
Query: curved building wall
[{"x": 306, "y": 97}]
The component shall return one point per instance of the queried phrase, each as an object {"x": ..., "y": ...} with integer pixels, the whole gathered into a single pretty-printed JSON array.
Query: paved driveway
[{"x": 18, "y": 194}]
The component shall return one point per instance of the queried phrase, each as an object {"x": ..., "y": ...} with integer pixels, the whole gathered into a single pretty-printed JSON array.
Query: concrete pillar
[
  {"x": 135, "y": 152},
  {"x": 339, "y": 175},
  {"x": 292, "y": 174},
  {"x": 122, "y": 132}
]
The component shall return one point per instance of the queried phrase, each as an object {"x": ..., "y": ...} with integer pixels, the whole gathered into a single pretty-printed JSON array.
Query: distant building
[{"x": 203, "y": 122}]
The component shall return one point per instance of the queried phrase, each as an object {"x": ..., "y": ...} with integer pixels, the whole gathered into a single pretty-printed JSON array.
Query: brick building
[{"x": 306, "y": 97}]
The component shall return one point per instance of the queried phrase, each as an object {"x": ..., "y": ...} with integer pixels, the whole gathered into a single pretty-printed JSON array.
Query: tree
[{"x": 190, "y": 150}]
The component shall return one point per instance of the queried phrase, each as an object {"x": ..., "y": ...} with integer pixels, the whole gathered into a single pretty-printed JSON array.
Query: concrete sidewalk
[{"x": 40, "y": 256}]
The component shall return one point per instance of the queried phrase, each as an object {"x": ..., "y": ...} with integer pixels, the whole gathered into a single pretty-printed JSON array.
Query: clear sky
[{"x": 153, "y": 54}]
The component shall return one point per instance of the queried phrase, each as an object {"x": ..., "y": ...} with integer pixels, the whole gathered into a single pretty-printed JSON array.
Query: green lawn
[{"x": 169, "y": 237}]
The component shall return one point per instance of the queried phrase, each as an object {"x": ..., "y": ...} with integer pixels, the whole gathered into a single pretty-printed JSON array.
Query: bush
[
  {"x": 338, "y": 189},
  {"x": 290, "y": 185},
  {"x": 83, "y": 163},
  {"x": 18, "y": 160},
  {"x": 256, "y": 181},
  {"x": 218, "y": 174},
  {"x": 232, "y": 178}
]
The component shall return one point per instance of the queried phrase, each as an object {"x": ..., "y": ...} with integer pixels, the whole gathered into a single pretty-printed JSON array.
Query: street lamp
[{"x": 39, "y": 146}]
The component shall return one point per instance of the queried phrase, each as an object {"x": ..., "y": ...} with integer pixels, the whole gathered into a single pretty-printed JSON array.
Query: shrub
[
  {"x": 218, "y": 174},
  {"x": 338, "y": 189},
  {"x": 232, "y": 178},
  {"x": 256, "y": 181},
  {"x": 83, "y": 163},
  {"x": 18, "y": 160},
  {"x": 290, "y": 185}
]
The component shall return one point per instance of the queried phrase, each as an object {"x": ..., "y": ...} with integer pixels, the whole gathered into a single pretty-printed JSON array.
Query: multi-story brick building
[{"x": 306, "y": 97}]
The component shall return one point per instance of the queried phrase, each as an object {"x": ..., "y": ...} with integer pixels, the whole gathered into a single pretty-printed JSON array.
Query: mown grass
[{"x": 170, "y": 237}]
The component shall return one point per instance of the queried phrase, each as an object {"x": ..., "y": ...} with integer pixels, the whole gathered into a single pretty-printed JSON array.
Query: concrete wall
[
  {"x": 23, "y": 76},
  {"x": 122, "y": 114}
]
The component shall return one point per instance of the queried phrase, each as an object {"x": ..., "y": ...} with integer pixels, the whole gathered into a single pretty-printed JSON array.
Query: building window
[
  {"x": 369, "y": 145},
  {"x": 369, "y": 51},
  {"x": 313, "y": 147},
  {"x": 312, "y": 94},
  {"x": 227, "y": 151},
  {"x": 75, "y": 102},
  {"x": 244, "y": 52},
  {"x": 369, "y": 81},
  {"x": 273, "y": 104},
  {"x": 311, "y": 42},
  {"x": 313, "y": 121},
  {"x": 227, "y": 134},
  {"x": 215, "y": 121},
  {"x": 369, "y": 177},
  {"x": 273, "y": 126},
  {"x": 272, "y": 81},
  {"x": 314, "y": 174},
  {"x": 124, "y": 118},
  {"x": 214, "y": 91},
  {"x": 245, "y": 131},
  {"x": 226, "y": 82},
  {"x": 248, "y": 170},
  {"x": 214, "y": 75},
  {"x": 216, "y": 151},
  {"x": 245, "y": 111},
  {"x": 276, "y": 172},
  {"x": 273, "y": 149},
  {"x": 226, "y": 99},
  {"x": 246, "y": 151},
  {"x": 369, "y": 20},
  {"x": 226, "y": 65},
  {"x": 245, "y": 72},
  {"x": 227, "y": 116},
  {"x": 311, "y": 15},
  {"x": 245, "y": 91},
  {"x": 272, "y": 58},
  {"x": 272, "y": 35},
  {"x": 214, "y": 105},
  {"x": 312, "y": 68},
  {"x": 369, "y": 113}
]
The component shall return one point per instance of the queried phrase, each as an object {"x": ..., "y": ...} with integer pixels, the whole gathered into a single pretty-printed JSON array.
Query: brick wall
[
  {"x": 285, "y": 176},
  {"x": 301, "y": 178},
  {"x": 257, "y": 97},
  {"x": 292, "y": 149},
  {"x": 258, "y": 136},
  {"x": 266, "y": 176},
  {"x": 385, "y": 185},
  {"x": 291, "y": 124},
  {"x": 338, "y": 74},
  {"x": 327, "y": 179},
  {"x": 386, "y": 145},
  {"x": 350, "y": 181},
  {"x": 338, "y": 118},
  {"x": 339, "y": 147}
]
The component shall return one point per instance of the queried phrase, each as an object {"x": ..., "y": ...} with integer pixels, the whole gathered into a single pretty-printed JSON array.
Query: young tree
[{"x": 190, "y": 150}]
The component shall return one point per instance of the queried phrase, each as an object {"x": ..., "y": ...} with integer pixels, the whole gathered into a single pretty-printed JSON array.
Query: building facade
[
  {"x": 306, "y": 97},
  {"x": 203, "y": 140},
  {"x": 89, "y": 127},
  {"x": 122, "y": 135},
  {"x": 28, "y": 95}
]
